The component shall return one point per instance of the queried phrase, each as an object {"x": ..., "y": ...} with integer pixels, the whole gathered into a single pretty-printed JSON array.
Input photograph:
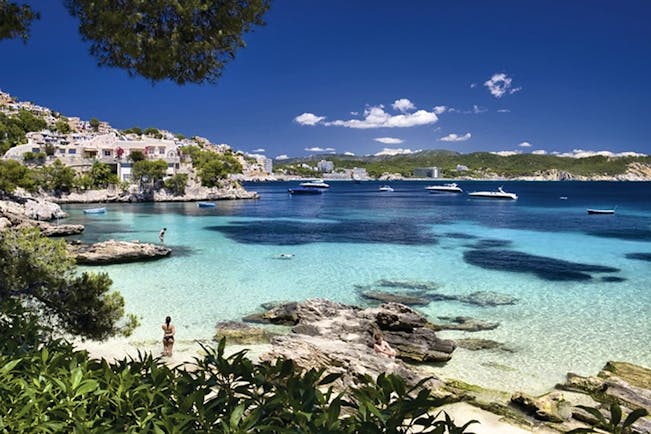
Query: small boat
[
  {"x": 601, "y": 211},
  {"x": 386, "y": 188},
  {"x": 445, "y": 188},
  {"x": 304, "y": 190},
  {"x": 95, "y": 210},
  {"x": 206, "y": 204},
  {"x": 563, "y": 198},
  {"x": 315, "y": 183},
  {"x": 499, "y": 194}
]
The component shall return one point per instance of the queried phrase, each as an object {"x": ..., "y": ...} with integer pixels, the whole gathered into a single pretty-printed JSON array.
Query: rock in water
[
  {"x": 237, "y": 332},
  {"x": 394, "y": 297},
  {"x": 116, "y": 252}
]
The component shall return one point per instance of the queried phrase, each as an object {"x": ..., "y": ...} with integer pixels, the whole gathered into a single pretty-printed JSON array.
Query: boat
[
  {"x": 206, "y": 204},
  {"x": 601, "y": 211},
  {"x": 386, "y": 188},
  {"x": 304, "y": 190},
  {"x": 315, "y": 183},
  {"x": 95, "y": 210},
  {"x": 499, "y": 194},
  {"x": 445, "y": 188}
]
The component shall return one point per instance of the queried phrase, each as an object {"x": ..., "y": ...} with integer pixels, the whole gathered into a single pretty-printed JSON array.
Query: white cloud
[
  {"x": 350, "y": 154},
  {"x": 539, "y": 152},
  {"x": 354, "y": 113},
  {"x": 525, "y": 145},
  {"x": 503, "y": 111},
  {"x": 403, "y": 105},
  {"x": 261, "y": 150},
  {"x": 282, "y": 157},
  {"x": 308, "y": 119},
  {"x": 395, "y": 151},
  {"x": 319, "y": 149},
  {"x": 580, "y": 153},
  {"x": 500, "y": 84},
  {"x": 456, "y": 138},
  {"x": 439, "y": 109},
  {"x": 376, "y": 117},
  {"x": 473, "y": 85},
  {"x": 476, "y": 109},
  {"x": 506, "y": 153},
  {"x": 389, "y": 140}
]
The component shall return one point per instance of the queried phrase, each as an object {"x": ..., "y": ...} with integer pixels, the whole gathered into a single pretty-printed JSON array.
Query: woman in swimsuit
[{"x": 168, "y": 336}]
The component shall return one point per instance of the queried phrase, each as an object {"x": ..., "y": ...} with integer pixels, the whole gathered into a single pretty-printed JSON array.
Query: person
[
  {"x": 382, "y": 347},
  {"x": 168, "y": 336},
  {"x": 161, "y": 235}
]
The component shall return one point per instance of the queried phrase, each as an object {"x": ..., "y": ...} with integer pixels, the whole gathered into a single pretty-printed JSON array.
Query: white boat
[
  {"x": 499, "y": 194},
  {"x": 386, "y": 188},
  {"x": 95, "y": 210},
  {"x": 445, "y": 188},
  {"x": 315, "y": 183},
  {"x": 601, "y": 211}
]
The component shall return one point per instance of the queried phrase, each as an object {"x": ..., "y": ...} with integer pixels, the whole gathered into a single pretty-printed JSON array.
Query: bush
[
  {"x": 136, "y": 156},
  {"x": 176, "y": 183},
  {"x": 13, "y": 174},
  {"x": 34, "y": 157}
]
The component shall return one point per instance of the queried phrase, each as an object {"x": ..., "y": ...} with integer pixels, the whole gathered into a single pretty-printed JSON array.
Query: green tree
[
  {"x": 218, "y": 168},
  {"x": 101, "y": 175},
  {"x": 148, "y": 173},
  {"x": 177, "y": 183},
  {"x": 94, "y": 124},
  {"x": 136, "y": 156},
  {"x": 37, "y": 272},
  {"x": 187, "y": 41},
  {"x": 83, "y": 181},
  {"x": 133, "y": 130},
  {"x": 153, "y": 132},
  {"x": 12, "y": 175},
  {"x": 30, "y": 122},
  {"x": 59, "y": 177},
  {"x": 62, "y": 126}
]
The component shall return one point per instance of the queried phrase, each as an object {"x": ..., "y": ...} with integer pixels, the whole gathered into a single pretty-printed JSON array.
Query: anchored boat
[{"x": 499, "y": 194}]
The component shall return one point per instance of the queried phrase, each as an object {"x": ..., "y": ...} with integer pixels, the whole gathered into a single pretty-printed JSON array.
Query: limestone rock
[
  {"x": 237, "y": 332},
  {"x": 116, "y": 252},
  {"x": 551, "y": 407},
  {"x": 385, "y": 297},
  {"x": 398, "y": 317},
  {"x": 466, "y": 324}
]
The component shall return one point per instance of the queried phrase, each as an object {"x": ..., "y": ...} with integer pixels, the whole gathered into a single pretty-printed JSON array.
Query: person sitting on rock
[{"x": 382, "y": 347}]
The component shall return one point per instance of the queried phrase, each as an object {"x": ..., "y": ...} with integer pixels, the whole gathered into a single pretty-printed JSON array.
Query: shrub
[{"x": 176, "y": 183}]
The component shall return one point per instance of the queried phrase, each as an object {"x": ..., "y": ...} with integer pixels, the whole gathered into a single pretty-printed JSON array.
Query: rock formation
[{"x": 116, "y": 252}]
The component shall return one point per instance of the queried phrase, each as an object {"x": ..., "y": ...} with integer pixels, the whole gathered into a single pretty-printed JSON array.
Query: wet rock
[
  {"x": 408, "y": 284},
  {"x": 116, "y": 252},
  {"x": 551, "y": 407},
  {"x": 473, "y": 344},
  {"x": 465, "y": 323},
  {"x": 398, "y": 317},
  {"x": 487, "y": 298},
  {"x": 421, "y": 345},
  {"x": 385, "y": 297},
  {"x": 237, "y": 332}
]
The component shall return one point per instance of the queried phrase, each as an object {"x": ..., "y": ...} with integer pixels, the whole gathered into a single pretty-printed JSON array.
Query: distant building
[
  {"x": 325, "y": 166},
  {"x": 427, "y": 172},
  {"x": 359, "y": 173},
  {"x": 268, "y": 165},
  {"x": 462, "y": 168}
]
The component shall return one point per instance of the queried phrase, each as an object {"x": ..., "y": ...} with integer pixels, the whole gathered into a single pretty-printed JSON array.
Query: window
[
  {"x": 107, "y": 153},
  {"x": 72, "y": 151},
  {"x": 161, "y": 150}
]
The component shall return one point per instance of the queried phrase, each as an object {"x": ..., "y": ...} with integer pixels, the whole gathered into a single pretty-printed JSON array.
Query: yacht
[
  {"x": 445, "y": 188},
  {"x": 315, "y": 183},
  {"x": 601, "y": 211},
  {"x": 386, "y": 188},
  {"x": 499, "y": 194}
]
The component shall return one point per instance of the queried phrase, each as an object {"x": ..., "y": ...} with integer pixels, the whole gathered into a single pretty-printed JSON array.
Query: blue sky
[{"x": 339, "y": 75}]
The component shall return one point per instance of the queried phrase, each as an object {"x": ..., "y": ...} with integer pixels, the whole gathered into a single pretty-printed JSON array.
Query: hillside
[{"x": 487, "y": 165}]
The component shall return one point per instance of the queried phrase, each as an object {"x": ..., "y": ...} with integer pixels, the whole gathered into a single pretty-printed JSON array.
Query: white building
[{"x": 325, "y": 166}]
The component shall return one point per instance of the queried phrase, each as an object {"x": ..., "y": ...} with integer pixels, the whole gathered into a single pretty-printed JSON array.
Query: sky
[{"x": 368, "y": 77}]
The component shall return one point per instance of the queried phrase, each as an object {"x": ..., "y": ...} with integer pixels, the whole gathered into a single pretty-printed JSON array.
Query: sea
[{"x": 578, "y": 285}]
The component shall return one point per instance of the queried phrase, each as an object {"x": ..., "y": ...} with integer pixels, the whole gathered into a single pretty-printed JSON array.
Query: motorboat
[
  {"x": 445, "y": 188},
  {"x": 95, "y": 210},
  {"x": 304, "y": 190},
  {"x": 315, "y": 183},
  {"x": 601, "y": 211},
  {"x": 386, "y": 188},
  {"x": 499, "y": 194},
  {"x": 206, "y": 204}
]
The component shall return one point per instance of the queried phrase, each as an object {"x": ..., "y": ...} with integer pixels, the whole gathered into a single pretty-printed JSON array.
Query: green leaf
[
  {"x": 633, "y": 416},
  {"x": 615, "y": 414}
]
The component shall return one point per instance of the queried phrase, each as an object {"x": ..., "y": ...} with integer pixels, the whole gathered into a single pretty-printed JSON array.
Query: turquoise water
[{"x": 581, "y": 300}]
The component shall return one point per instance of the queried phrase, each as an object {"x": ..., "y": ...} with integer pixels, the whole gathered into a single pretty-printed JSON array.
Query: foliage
[
  {"x": 132, "y": 130},
  {"x": 101, "y": 175},
  {"x": 34, "y": 157},
  {"x": 148, "y": 172},
  {"x": 62, "y": 126},
  {"x": 38, "y": 272},
  {"x": 153, "y": 132},
  {"x": 13, "y": 174},
  {"x": 212, "y": 166},
  {"x": 176, "y": 183},
  {"x": 57, "y": 389},
  {"x": 94, "y": 124},
  {"x": 615, "y": 425},
  {"x": 13, "y": 128},
  {"x": 187, "y": 41},
  {"x": 58, "y": 177},
  {"x": 83, "y": 181},
  {"x": 136, "y": 156},
  {"x": 15, "y": 20}
]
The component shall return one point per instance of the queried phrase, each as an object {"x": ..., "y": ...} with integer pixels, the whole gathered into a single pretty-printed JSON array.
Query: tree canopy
[{"x": 186, "y": 41}]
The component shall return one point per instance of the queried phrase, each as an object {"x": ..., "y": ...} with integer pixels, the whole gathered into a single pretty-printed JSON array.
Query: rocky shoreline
[{"x": 338, "y": 338}]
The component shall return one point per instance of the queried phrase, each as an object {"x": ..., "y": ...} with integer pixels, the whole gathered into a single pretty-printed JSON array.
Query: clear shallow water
[{"x": 581, "y": 300}]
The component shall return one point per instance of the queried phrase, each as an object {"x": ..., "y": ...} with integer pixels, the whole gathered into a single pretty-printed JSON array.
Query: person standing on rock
[
  {"x": 382, "y": 347},
  {"x": 168, "y": 337},
  {"x": 161, "y": 235}
]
